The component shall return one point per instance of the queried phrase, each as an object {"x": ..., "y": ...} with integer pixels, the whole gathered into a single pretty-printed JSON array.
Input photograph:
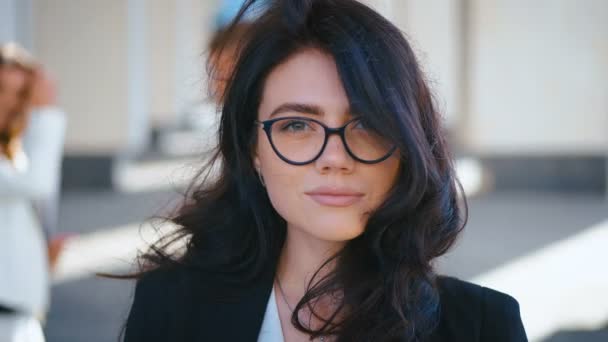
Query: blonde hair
[{"x": 12, "y": 55}]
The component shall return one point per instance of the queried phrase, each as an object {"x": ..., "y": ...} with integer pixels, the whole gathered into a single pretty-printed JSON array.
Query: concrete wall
[
  {"x": 161, "y": 54},
  {"x": 178, "y": 32},
  {"x": 85, "y": 44},
  {"x": 538, "y": 77}
]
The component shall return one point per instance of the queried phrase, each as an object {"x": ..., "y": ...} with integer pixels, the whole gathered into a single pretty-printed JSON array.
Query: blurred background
[{"x": 523, "y": 86}]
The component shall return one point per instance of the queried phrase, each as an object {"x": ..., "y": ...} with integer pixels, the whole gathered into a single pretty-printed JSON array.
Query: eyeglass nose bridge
[
  {"x": 341, "y": 132},
  {"x": 338, "y": 130}
]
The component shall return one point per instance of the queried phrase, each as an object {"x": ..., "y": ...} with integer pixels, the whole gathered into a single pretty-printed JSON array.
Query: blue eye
[
  {"x": 359, "y": 124},
  {"x": 295, "y": 126}
]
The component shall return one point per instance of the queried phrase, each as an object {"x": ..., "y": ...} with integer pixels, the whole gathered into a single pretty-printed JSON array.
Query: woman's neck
[{"x": 300, "y": 258}]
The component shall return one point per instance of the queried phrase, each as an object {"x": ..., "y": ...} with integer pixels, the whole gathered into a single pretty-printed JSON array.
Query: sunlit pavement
[{"x": 535, "y": 246}]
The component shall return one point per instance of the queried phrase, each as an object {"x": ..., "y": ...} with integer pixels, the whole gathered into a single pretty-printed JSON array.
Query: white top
[
  {"x": 20, "y": 328},
  {"x": 24, "y": 280},
  {"x": 271, "y": 326}
]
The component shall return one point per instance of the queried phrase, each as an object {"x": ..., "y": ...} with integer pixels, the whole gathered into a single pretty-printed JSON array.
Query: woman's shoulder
[
  {"x": 457, "y": 289},
  {"x": 186, "y": 303},
  {"x": 161, "y": 285},
  {"x": 478, "y": 313},
  {"x": 176, "y": 279},
  {"x": 153, "y": 312},
  {"x": 46, "y": 121}
]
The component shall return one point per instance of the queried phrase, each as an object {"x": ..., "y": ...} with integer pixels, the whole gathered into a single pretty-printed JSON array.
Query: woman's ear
[
  {"x": 256, "y": 162},
  {"x": 257, "y": 165},
  {"x": 256, "y": 159}
]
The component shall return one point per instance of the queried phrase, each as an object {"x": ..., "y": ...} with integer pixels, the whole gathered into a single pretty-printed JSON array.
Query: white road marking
[
  {"x": 561, "y": 286},
  {"x": 108, "y": 250},
  {"x": 471, "y": 176}
]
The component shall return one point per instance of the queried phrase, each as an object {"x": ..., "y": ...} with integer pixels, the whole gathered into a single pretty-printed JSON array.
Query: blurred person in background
[
  {"x": 335, "y": 192},
  {"x": 222, "y": 56},
  {"x": 32, "y": 132},
  {"x": 225, "y": 40}
]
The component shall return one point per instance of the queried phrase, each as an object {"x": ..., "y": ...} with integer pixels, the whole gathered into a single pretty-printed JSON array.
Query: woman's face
[
  {"x": 311, "y": 197},
  {"x": 13, "y": 82}
]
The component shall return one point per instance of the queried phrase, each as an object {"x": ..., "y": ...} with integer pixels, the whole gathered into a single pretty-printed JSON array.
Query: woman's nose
[{"x": 335, "y": 156}]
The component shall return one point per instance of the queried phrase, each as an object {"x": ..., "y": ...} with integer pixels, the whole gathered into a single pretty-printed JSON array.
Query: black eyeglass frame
[{"x": 266, "y": 125}]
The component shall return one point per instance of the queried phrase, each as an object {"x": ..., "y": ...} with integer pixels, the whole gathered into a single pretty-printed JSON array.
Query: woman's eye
[
  {"x": 360, "y": 125},
  {"x": 295, "y": 126}
]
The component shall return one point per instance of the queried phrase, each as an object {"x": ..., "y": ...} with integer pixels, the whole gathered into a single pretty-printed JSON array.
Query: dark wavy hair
[{"x": 385, "y": 274}]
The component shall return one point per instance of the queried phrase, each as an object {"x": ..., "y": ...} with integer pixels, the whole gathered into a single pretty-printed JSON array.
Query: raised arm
[{"x": 43, "y": 145}]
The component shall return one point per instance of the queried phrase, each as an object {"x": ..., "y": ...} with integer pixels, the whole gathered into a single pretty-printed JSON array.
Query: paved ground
[
  {"x": 93, "y": 309},
  {"x": 502, "y": 226}
]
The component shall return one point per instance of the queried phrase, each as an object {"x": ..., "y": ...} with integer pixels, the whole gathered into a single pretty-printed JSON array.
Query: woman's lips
[{"x": 335, "y": 198}]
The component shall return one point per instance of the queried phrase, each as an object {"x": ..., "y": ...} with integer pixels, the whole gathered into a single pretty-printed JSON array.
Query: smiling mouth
[{"x": 335, "y": 200}]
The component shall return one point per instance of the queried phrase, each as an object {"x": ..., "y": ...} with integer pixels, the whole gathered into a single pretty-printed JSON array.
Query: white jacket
[{"x": 24, "y": 276}]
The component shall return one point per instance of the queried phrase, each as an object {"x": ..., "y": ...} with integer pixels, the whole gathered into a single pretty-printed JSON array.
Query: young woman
[
  {"x": 31, "y": 145},
  {"x": 335, "y": 191}
]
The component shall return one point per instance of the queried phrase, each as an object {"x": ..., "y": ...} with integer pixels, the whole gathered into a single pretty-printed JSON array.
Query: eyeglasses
[{"x": 301, "y": 140}]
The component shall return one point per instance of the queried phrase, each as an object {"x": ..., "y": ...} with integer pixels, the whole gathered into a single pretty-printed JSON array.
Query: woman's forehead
[{"x": 308, "y": 77}]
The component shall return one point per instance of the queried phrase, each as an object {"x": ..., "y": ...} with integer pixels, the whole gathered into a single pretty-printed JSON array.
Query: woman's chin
[{"x": 338, "y": 230}]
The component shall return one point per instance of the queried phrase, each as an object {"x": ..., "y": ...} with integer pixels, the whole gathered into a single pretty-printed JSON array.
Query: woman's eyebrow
[{"x": 299, "y": 108}]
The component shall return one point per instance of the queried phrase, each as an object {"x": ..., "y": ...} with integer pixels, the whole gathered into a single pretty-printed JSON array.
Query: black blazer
[{"x": 175, "y": 305}]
